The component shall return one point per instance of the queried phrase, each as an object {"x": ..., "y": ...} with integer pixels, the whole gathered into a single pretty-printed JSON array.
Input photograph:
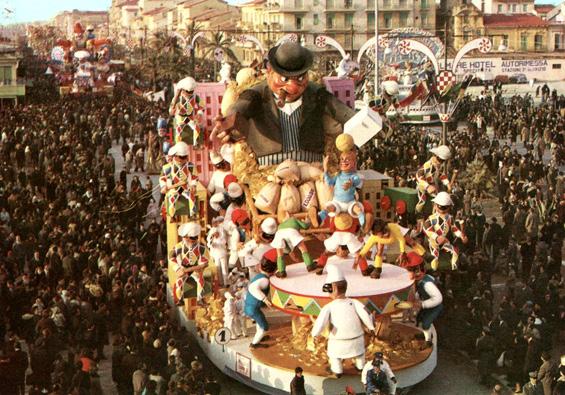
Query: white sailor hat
[
  {"x": 172, "y": 151},
  {"x": 234, "y": 190},
  {"x": 181, "y": 149},
  {"x": 187, "y": 84},
  {"x": 216, "y": 200},
  {"x": 269, "y": 226},
  {"x": 334, "y": 274},
  {"x": 190, "y": 229},
  {"x": 443, "y": 152},
  {"x": 215, "y": 158},
  {"x": 443, "y": 199}
]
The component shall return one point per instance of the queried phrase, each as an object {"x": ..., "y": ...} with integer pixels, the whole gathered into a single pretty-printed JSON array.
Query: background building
[
  {"x": 10, "y": 87},
  {"x": 65, "y": 21}
]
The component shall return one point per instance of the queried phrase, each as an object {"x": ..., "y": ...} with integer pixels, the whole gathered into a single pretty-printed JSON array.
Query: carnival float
[
  {"x": 83, "y": 63},
  {"x": 281, "y": 252}
]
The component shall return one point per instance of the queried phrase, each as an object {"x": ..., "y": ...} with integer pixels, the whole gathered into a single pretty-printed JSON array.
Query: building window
[
  {"x": 466, "y": 19},
  {"x": 347, "y": 40},
  {"x": 524, "y": 8},
  {"x": 402, "y": 4},
  {"x": 348, "y": 20},
  {"x": 424, "y": 4},
  {"x": 298, "y": 4},
  {"x": 330, "y": 21},
  {"x": 6, "y": 75},
  {"x": 514, "y": 8},
  {"x": 556, "y": 66},
  {"x": 538, "y": 40},
  {"x": 557, "y": 41},
  {"x": 388, "y": 21},
  {"x": 316, "y": 2},
  {"x": 370, "y": 20},
  {"x": 316, "y": 19},
  {"x": 348, "y": 3},
  {"x": 386, "y": 3},
  {"x": 403, "y": 19},
  {"x": 500, "y": 8},
  {"x": 505, "y": 40},
  {"x": 424, "y": 18},
  {"x": 298, "y": 22},
  {"x": 524, "y": 42},
  {"x": 329, "y": 4}
]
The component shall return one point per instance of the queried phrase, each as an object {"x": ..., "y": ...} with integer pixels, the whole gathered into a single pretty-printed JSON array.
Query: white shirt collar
[{"x": 289, "y": 108}]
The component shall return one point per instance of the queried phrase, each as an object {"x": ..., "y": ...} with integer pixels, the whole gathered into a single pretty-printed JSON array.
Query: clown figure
[
  {"x": 439, "y": 226},
  {"x": 429, "y": 175},
  {"x": 190, "y": 258},
  {"x": 187, "y": 108},
  {"x": 342, "y": 241},
  {"x": 287, "y": 238},
  {"x": 385, "y": 234},
  {"x": 346, "y": 182},
  {"x": 429, "y": 302},
  {"x": 250, "y": 254}
]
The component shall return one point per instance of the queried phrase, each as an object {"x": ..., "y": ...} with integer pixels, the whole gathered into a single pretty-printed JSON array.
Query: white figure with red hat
[
  {"x": 346, "y": 318},
  {"x": 252, "y": 251},
  {"x": 439, "y": 226},
  {"x": 239, "y": 228},
  {"x": 221, "y": 170},
  {"x": 429, "y": 303},
  {"x": 217, "y": 244}
]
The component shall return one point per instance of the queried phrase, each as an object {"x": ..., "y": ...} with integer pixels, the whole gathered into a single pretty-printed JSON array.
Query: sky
[{"x": 42, "y": 10}]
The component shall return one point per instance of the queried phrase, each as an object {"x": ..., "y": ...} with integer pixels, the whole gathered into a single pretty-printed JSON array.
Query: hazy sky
[{"x": 41, "y": 10}]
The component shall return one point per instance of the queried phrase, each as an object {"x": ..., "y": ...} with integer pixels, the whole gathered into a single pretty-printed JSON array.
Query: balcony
[
  {"x": 339, "y": 5},
  {"x": 12, "y": 90},
  {"x": 391, "y": 5}
]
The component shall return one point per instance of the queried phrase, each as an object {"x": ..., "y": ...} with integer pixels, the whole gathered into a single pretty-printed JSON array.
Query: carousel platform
[
  {"x": 301, "y": 292},
  {"x": 270, "y": 368},
  {"x": 273, "y": 375}
]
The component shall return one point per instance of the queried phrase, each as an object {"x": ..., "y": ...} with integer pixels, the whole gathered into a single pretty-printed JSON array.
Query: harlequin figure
[
  {"x": 384, "y": 234},
  {"x": 287, "y": 238},
  {"x": 190, "y": 258},
  {"x": 178, "y": 183},
  {"x": 430, "y": 300},
  {"x": 429, "y": 176},
  {"x": 187, "y": 108},
  {"x": 252, "y": 252},
  {"x": 346, "y": 182},
  {"x": 439, "y": 226}
]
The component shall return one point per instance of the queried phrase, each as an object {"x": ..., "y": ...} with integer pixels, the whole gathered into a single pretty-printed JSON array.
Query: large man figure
[{"x": 288, "y": 117}]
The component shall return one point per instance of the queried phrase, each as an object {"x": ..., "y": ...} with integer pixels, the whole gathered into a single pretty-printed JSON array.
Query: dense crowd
[
  {"x": 517, "y": 334},
  {"x": 78, "y": 255},
  {"x": 80, "y": 263}
]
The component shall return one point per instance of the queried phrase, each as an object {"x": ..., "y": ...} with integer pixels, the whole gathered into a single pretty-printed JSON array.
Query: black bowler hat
[{"x": 290, "y": 59}]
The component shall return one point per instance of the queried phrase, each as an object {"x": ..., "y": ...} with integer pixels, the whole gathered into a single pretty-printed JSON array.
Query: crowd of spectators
[
  {"x": 510, "y": 333},
  {"x": 78, "y": 256}
]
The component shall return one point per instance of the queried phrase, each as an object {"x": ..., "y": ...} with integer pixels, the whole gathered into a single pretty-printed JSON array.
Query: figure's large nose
[{"x": 293, "y": 87}]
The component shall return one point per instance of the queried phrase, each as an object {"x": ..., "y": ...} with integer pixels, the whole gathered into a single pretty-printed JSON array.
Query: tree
[
  {"x": 219, "y": 40},
  {"x": 192, "y": 29}
]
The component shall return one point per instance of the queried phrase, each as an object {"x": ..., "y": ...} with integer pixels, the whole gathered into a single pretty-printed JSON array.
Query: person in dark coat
[
  {"x": 486, "y": 346},
  {"x": 19, "y": 362},
  {"x": 297, "y": 383},
  {"x": 545, "y": 373}
]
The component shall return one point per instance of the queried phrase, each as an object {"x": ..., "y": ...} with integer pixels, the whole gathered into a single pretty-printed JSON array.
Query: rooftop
[
  {"x": 513, "y": 20},
  {"x": 543, "y": 8}
]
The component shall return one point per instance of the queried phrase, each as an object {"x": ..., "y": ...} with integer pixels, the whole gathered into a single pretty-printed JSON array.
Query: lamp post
[
  {"x": 377, "y": 88},
  {"x": 268, "y": 26}
]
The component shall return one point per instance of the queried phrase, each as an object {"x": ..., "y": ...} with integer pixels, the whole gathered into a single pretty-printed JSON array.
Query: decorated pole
[{"x": 376, "y": 48}]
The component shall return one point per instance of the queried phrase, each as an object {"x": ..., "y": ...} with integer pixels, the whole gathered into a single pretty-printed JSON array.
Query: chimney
[{"x": 483, "y": 6}]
